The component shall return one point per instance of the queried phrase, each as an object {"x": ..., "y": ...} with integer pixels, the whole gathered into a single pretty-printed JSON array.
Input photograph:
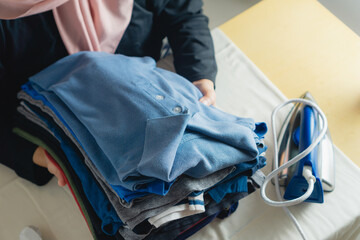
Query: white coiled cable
[{"x": 307, "y": 172}]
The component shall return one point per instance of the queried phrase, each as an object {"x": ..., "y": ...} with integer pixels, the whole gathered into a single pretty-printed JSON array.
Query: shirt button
[
  {"x": 159, "y": 97},
  {"x": 177, "y": 109}
]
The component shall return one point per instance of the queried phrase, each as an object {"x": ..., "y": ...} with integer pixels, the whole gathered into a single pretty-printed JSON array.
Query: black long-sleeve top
[{"x": 30, "y": 44}]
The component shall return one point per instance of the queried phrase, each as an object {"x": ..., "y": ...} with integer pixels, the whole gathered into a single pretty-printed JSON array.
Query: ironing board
[{"x": 242, "y": 89}]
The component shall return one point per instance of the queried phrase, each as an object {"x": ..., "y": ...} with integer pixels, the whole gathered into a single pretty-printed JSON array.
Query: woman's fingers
[
  {"x": 206, "y": 87},
  {"x": 54, "y": 170},
  {"x": 40, "y": 158}
]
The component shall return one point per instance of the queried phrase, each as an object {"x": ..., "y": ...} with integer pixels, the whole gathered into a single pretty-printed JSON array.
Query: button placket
[
  {"x": 161, "y": 97},
  {"x": 177, "y": 109}
]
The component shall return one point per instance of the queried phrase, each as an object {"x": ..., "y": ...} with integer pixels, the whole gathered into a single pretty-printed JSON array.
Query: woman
[{"x": 36, "y": 33}]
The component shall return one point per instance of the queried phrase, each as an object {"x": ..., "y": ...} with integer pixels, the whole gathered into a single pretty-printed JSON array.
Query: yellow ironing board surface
[{"x": 301, "y": 46}]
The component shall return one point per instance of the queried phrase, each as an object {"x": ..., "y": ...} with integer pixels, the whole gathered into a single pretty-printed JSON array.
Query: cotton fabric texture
[
  {"x": 37, "y": 112},
  {"x": 127, "y": 126},
  {"x": 155, "y": 204},
  {"x": 158, "y": 129},
  {"x": 258, "y": 176},
  {"x": 144, "y": 207}
]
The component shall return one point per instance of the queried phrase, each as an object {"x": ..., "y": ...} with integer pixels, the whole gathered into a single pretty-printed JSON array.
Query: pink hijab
[{"x": 84, "y": 25}]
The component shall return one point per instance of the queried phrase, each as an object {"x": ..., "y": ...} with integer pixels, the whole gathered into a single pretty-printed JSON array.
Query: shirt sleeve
[
  {"x": 189, "y": 36},
  {"x": 15, "y": 152}
]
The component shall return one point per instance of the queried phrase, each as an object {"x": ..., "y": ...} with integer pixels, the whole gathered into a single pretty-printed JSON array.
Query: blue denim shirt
[{"x": 147, "y": 123}]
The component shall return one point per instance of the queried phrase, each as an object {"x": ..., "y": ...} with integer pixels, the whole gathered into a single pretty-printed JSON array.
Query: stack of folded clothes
[{"x": 142, "y": 156}]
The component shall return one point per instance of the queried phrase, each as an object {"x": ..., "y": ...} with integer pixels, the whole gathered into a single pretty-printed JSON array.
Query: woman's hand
[
  {"x": 206, "y": 87},
  {"x": 42, "y": 160}
]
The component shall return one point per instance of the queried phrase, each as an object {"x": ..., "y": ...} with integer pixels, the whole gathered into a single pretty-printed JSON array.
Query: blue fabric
[
  {"x": 157, "y": 186},
  {"x": 236, "y": 182},
  {"x": 98, "y": 200},
  {"x": 235, "y": 185},
  {"x": 144, "y": 123},
  {"x": 251, "y": 166}
]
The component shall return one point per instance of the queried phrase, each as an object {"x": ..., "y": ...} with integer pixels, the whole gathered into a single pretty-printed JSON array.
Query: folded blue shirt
[
  {"x": 157, "y": 186},
  {"x": 144, "y": 123}
]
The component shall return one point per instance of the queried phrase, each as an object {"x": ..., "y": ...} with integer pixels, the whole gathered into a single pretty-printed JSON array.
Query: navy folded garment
[{"x": 147, "y": 123}]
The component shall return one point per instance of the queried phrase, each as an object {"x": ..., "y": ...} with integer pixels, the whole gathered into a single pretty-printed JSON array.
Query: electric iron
[{"x": 299, "y": 130}]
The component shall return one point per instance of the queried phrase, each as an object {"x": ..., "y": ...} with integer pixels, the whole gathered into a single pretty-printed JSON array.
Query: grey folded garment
[
  {"x": 142, "y": 208},
  {"x": 256, "y": 180}
]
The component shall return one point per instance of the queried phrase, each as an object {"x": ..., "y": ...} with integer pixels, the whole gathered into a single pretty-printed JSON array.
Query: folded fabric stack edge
[
  {"x": 144, "y": 159},
  {"x": 91, "y": 218},
  {"x": 69, "y": 182}
]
